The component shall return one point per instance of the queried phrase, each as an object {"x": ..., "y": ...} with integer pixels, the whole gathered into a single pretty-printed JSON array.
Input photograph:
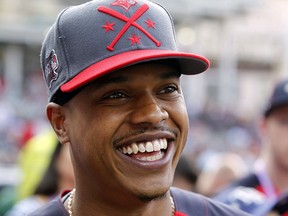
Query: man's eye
[
  {"x": 168, "y": 89},
  {"x": 116, "y": 95}
]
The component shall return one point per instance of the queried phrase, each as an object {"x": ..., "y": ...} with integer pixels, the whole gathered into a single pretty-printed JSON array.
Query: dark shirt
[{"x": 186, "y": 204}]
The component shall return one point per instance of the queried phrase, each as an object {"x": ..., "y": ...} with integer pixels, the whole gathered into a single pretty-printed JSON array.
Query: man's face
[
  {"x": 276, "y": 133},
  {"x": 127, "y": 130}
]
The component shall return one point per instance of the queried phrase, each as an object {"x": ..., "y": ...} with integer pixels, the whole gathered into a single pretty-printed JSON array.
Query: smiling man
[{"x": 113, "y": 74}]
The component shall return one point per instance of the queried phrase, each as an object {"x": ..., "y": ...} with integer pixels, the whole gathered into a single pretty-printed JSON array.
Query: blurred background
[{"x": 245, "y": 40}]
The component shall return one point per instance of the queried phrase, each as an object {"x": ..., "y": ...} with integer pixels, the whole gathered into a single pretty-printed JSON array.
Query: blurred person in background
[
  {"x": 57, "y": 177},
  {"x": 185, "y": 176},
  {"x": 220, "y": 170},
  {"x": 33, "y": 160},
  {"x": 268, "y": 183}
]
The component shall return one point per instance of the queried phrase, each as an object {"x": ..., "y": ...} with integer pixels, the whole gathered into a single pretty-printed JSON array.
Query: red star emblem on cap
[
  {"x": 150, "y": 23},
  {"x": 135, "y": 39},
  {"x": 108, "y": 26}
]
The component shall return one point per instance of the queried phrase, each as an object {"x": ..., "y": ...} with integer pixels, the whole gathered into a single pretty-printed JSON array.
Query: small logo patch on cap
[
  {"x": 50, "y": 69},
  {"x": 126, "y": 4}
]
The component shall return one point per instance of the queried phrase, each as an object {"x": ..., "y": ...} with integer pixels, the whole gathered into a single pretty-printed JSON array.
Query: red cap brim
[{"x": 192, "y": 64}]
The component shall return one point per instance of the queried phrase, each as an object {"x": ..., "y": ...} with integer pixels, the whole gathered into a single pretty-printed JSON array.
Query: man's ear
[{"x": 56, "y": 116}]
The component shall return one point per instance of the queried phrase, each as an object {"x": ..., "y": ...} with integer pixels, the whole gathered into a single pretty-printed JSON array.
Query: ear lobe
[{"x": 56, "y": 116}]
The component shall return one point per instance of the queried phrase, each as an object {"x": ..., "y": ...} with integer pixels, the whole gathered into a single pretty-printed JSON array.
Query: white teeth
[
  {"x": 150, "y": 146},
  {"x": 161, "y": 143},
  {"x": 124, "y": 150},
  {"x": 156, "y": 145},
  {"x": 129, "y": 150},
  {"x": 152, "y": 158},
  {"x": 134, "y": 148},
  {"x": 164, "y": 143},
  {"x": 141, "y": 148}
]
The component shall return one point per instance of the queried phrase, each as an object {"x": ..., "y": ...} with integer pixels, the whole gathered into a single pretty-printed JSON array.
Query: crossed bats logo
[
  {"x": 130, "y": 21},
  {"x": 126, "y": 4}
]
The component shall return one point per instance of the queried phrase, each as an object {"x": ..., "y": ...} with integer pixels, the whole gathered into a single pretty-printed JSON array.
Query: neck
[{"x": 79, "y": 206}]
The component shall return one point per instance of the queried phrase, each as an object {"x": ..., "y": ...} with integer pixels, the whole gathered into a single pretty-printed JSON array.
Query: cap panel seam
[
  {"x": 61, "y": 38},
  {"x": 170, "y": 17}
]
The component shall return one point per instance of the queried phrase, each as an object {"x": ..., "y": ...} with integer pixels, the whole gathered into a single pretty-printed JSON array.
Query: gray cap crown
[{"x": 101, "y": 36}]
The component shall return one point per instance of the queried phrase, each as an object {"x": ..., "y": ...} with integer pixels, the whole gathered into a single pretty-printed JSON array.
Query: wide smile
[{"x": 147, "y": 151}]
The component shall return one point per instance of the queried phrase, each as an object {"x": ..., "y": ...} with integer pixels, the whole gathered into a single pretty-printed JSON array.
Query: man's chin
[{"x": 151, "y": 197}]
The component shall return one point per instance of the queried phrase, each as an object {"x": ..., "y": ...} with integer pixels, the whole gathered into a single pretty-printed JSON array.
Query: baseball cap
[
  {"x": 101, "y": 36},
  {"x": 278, "y": 98}
]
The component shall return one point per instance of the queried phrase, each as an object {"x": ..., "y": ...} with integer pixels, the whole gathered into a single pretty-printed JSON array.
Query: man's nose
[{"x": 147, "y": 111}]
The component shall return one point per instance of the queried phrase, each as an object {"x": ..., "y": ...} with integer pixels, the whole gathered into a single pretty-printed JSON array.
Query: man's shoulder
[
  {"x": 53, "y": 208},
  {"x": 189, "y": 203}
]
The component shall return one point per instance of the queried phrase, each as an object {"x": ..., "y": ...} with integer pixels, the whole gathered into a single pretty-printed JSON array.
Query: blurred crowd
[{"x": 21, "y": 118}]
